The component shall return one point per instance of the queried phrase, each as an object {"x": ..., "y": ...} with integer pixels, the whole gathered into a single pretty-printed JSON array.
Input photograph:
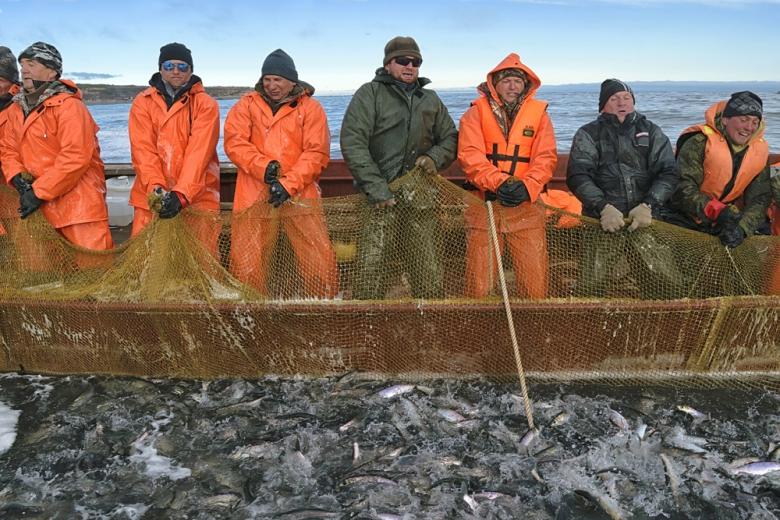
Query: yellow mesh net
[{"x": 323, "y": 287}]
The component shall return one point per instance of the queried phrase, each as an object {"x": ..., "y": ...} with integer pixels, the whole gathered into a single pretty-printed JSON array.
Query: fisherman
[
  {"x": 621, "y": 167},
  {"x": 9, "y": 86},
  {"x": 174, "y": 129},
  {"x": 278, "y": 138},
  {"x": 507, "y": 150},
  {"x": 722, "y": 162},
  {"x": 392, "y": 125},
  {"x": 50, "y": 151}
]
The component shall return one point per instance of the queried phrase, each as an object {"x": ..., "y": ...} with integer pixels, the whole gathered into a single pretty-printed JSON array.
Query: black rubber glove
[
  {"x": 272, "y": 172},
  {"x": 278, "y": 194},
  {"x": 170, "y": 205},
  {"x": 512, "y": 192},
  {"x": 20, "y": 183},
  {"x": 732, "y": 236},
  {"x": 728, "y": 217},
  {"x": 28, "y": 203}
]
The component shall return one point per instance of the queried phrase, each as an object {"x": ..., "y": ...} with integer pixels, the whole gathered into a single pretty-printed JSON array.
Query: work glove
[
  {"x": 426, "y": 164},
  {"x": 28, "y": 203},
  {"x": 272, "y": 172},
  {"x": 171, "y": 204},
  {"x": 713, "y": 209},
  {"x": 22, "y": 182},
  {"x": 611, "y": 219},
  {"x": 278, "y": 194},
  {"x": 732, "y": 236},
  {"x": 641, "y": 216},
  {"x": 512, "y": 192}
]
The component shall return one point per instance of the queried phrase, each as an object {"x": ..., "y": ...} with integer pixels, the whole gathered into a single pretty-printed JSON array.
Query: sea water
[{"x": 673, "y": 109}]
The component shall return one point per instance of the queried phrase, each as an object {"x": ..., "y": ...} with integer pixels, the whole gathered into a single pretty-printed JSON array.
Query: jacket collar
[{"x": 158, "y": 84}]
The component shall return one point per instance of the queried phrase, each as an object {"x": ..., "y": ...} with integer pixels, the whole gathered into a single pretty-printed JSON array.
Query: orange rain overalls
[{"x": 488, "y": 159}]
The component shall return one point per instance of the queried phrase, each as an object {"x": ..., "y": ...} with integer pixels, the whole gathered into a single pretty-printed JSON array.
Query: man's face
[
  {"x": 35, "y": 70},
  {"x": 620, "y": 104},
  {"x": 5, "y": 86},
  {"x": 740, "y": 128},
  {"x": 406, "y": 71},
  {"x": 176, "y": 73},
  {"x": 277, "y": 87},
  {"x": 510, "y": 89}
]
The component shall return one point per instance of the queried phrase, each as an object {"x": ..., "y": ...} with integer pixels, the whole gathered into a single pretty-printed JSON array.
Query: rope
[{"x": 510, "y": 320}]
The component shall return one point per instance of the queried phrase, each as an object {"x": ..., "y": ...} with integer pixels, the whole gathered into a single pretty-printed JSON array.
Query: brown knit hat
[
  {"x": 8, "y": 68},
  {"x": 401, "y": 46}
]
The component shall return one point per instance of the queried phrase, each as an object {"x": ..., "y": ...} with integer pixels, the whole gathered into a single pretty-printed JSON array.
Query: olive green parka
[{"x": 385, "y": 130}]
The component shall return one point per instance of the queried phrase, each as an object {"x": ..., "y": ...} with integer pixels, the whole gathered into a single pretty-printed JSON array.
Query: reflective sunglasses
[
  {"x": 404, "y": 61},
  {"x": 169, "y": 66}
]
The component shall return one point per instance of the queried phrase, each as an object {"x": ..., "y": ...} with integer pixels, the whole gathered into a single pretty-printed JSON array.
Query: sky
[{"x": 337, "y": 44}]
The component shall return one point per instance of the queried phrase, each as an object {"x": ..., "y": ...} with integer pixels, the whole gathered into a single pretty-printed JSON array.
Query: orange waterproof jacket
[
  {"x": 176, "y": 148},
  {"x": 3, "y": 119},
  {"x": 297, "y": 136},
  {"x": 718, "y": 165},
  {"x": 482, "y": 146},
  {"x": 58, "y": 145}
]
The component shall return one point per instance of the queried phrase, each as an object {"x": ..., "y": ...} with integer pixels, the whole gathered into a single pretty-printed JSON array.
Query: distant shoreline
[{"x": 105, "y": 94}]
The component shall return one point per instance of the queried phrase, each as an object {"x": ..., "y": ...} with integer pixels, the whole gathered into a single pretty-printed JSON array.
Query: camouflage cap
[
  {"x": 8, "y": 68},
  {"x": 506, "y": 73},
  {"x": 45, "y": 54}
]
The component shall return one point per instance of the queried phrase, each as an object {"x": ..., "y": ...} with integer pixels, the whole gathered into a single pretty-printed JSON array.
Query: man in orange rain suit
[
  {"x": 278, "y": 138},
  {"x": 9, "y": 86},
  {"x": 507, "y": 150},
  {"x": 50, "y": 152},
  {"x": 174, "y": 129}
]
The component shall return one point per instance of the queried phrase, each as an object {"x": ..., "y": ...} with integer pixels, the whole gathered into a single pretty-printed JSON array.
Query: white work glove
[
  {"x": 641, "y": 216},
  {"x": 611, "y": 219}
]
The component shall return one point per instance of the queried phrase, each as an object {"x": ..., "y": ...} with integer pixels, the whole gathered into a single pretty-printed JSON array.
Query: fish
[
  {"x": 529, "y": 437},
  {"x": 489, "y": 495},
  {"x": 535, "y": 474},
  {"x": 346, "y": 426},
  {"x": 558, "y": 420},
  {"x": 607, "y": 504},
  {"x": 696, "y": 414},
  {"x": 470, "y": 502},
  {"x": 450, "y": 415},
  {"x": 370, "y": 480},
  {"x": 757, "y": 468},
  {"x": 395, "y": 390},
  {"x": 640, "y": 431},
  {"x": 681, "y": 441},
  {"x": 618, "y": 420},
  {"x": 671, "y": 476},
  {"x": 355, "y": 452}
]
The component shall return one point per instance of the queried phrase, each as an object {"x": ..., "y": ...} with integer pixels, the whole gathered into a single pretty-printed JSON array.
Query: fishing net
[{"x": 323, "y": 287}]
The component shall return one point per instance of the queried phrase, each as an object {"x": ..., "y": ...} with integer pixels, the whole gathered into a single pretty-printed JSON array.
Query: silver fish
[
  {"x": 355, "y": 452},
  {"x": 618, "y": 420},
  {"x": 471, "y": 503},
  {"x": 757, "y": 468},
  {"x": 489, "y": 495},
  {"x": 671, "y": 476},
  {"x": 696, "y": 414},
  {"x": 561, "y": 418},
  {"x": 370, "y": 480},
  {"x": 395, "y": 390},
  {"x": 535, "y": 474},
  {"x": 640, "y": 431},
  {"x": 450, "y": 415},
  {"x": 529, "y": 437},
  {"x": 681, "y": 441}
]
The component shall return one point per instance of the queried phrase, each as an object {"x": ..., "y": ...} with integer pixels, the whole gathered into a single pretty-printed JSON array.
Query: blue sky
[{"x": 337, "y": 44}]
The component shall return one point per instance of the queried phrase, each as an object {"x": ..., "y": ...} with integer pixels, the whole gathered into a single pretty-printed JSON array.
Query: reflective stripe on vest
[
  {"x": 719, "y": 165},
  {"x": 514, "y": 156}
]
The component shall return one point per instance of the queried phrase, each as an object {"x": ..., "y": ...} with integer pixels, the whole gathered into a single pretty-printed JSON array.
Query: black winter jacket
[{"x": 623, "y": 164}]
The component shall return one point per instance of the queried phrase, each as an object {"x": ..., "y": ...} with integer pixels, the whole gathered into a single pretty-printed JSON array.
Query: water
[
  {"x": 672, "y": 109},
  {"x": 119, "y": 448}
]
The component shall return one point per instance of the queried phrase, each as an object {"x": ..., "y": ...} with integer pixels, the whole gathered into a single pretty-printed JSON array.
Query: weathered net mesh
[{"x": 322, "y": 287}]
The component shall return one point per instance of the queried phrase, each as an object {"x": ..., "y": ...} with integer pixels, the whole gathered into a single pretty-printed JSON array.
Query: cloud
[{"x": 90, "y": 75}]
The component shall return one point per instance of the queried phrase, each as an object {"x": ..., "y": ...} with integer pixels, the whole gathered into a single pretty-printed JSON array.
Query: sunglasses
[
  {"x": 404, "y": 61},
  {"x": 169, "y": 66}
]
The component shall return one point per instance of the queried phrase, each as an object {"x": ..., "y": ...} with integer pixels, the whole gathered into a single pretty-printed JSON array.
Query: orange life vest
[
  {"x": 512, "y": 156},
  {"x": 718, "y": 165}
]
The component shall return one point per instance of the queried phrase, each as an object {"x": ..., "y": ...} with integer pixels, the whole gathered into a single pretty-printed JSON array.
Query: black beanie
[
  {"x": 279, "y": 63},
  {"x": 175, "y": 51},
  {"x": 610, "y": 87},
  {"x": 744, "y": 103},
  {"x": 8, "y": 68},
  {"x": 45, "y": 54}
]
